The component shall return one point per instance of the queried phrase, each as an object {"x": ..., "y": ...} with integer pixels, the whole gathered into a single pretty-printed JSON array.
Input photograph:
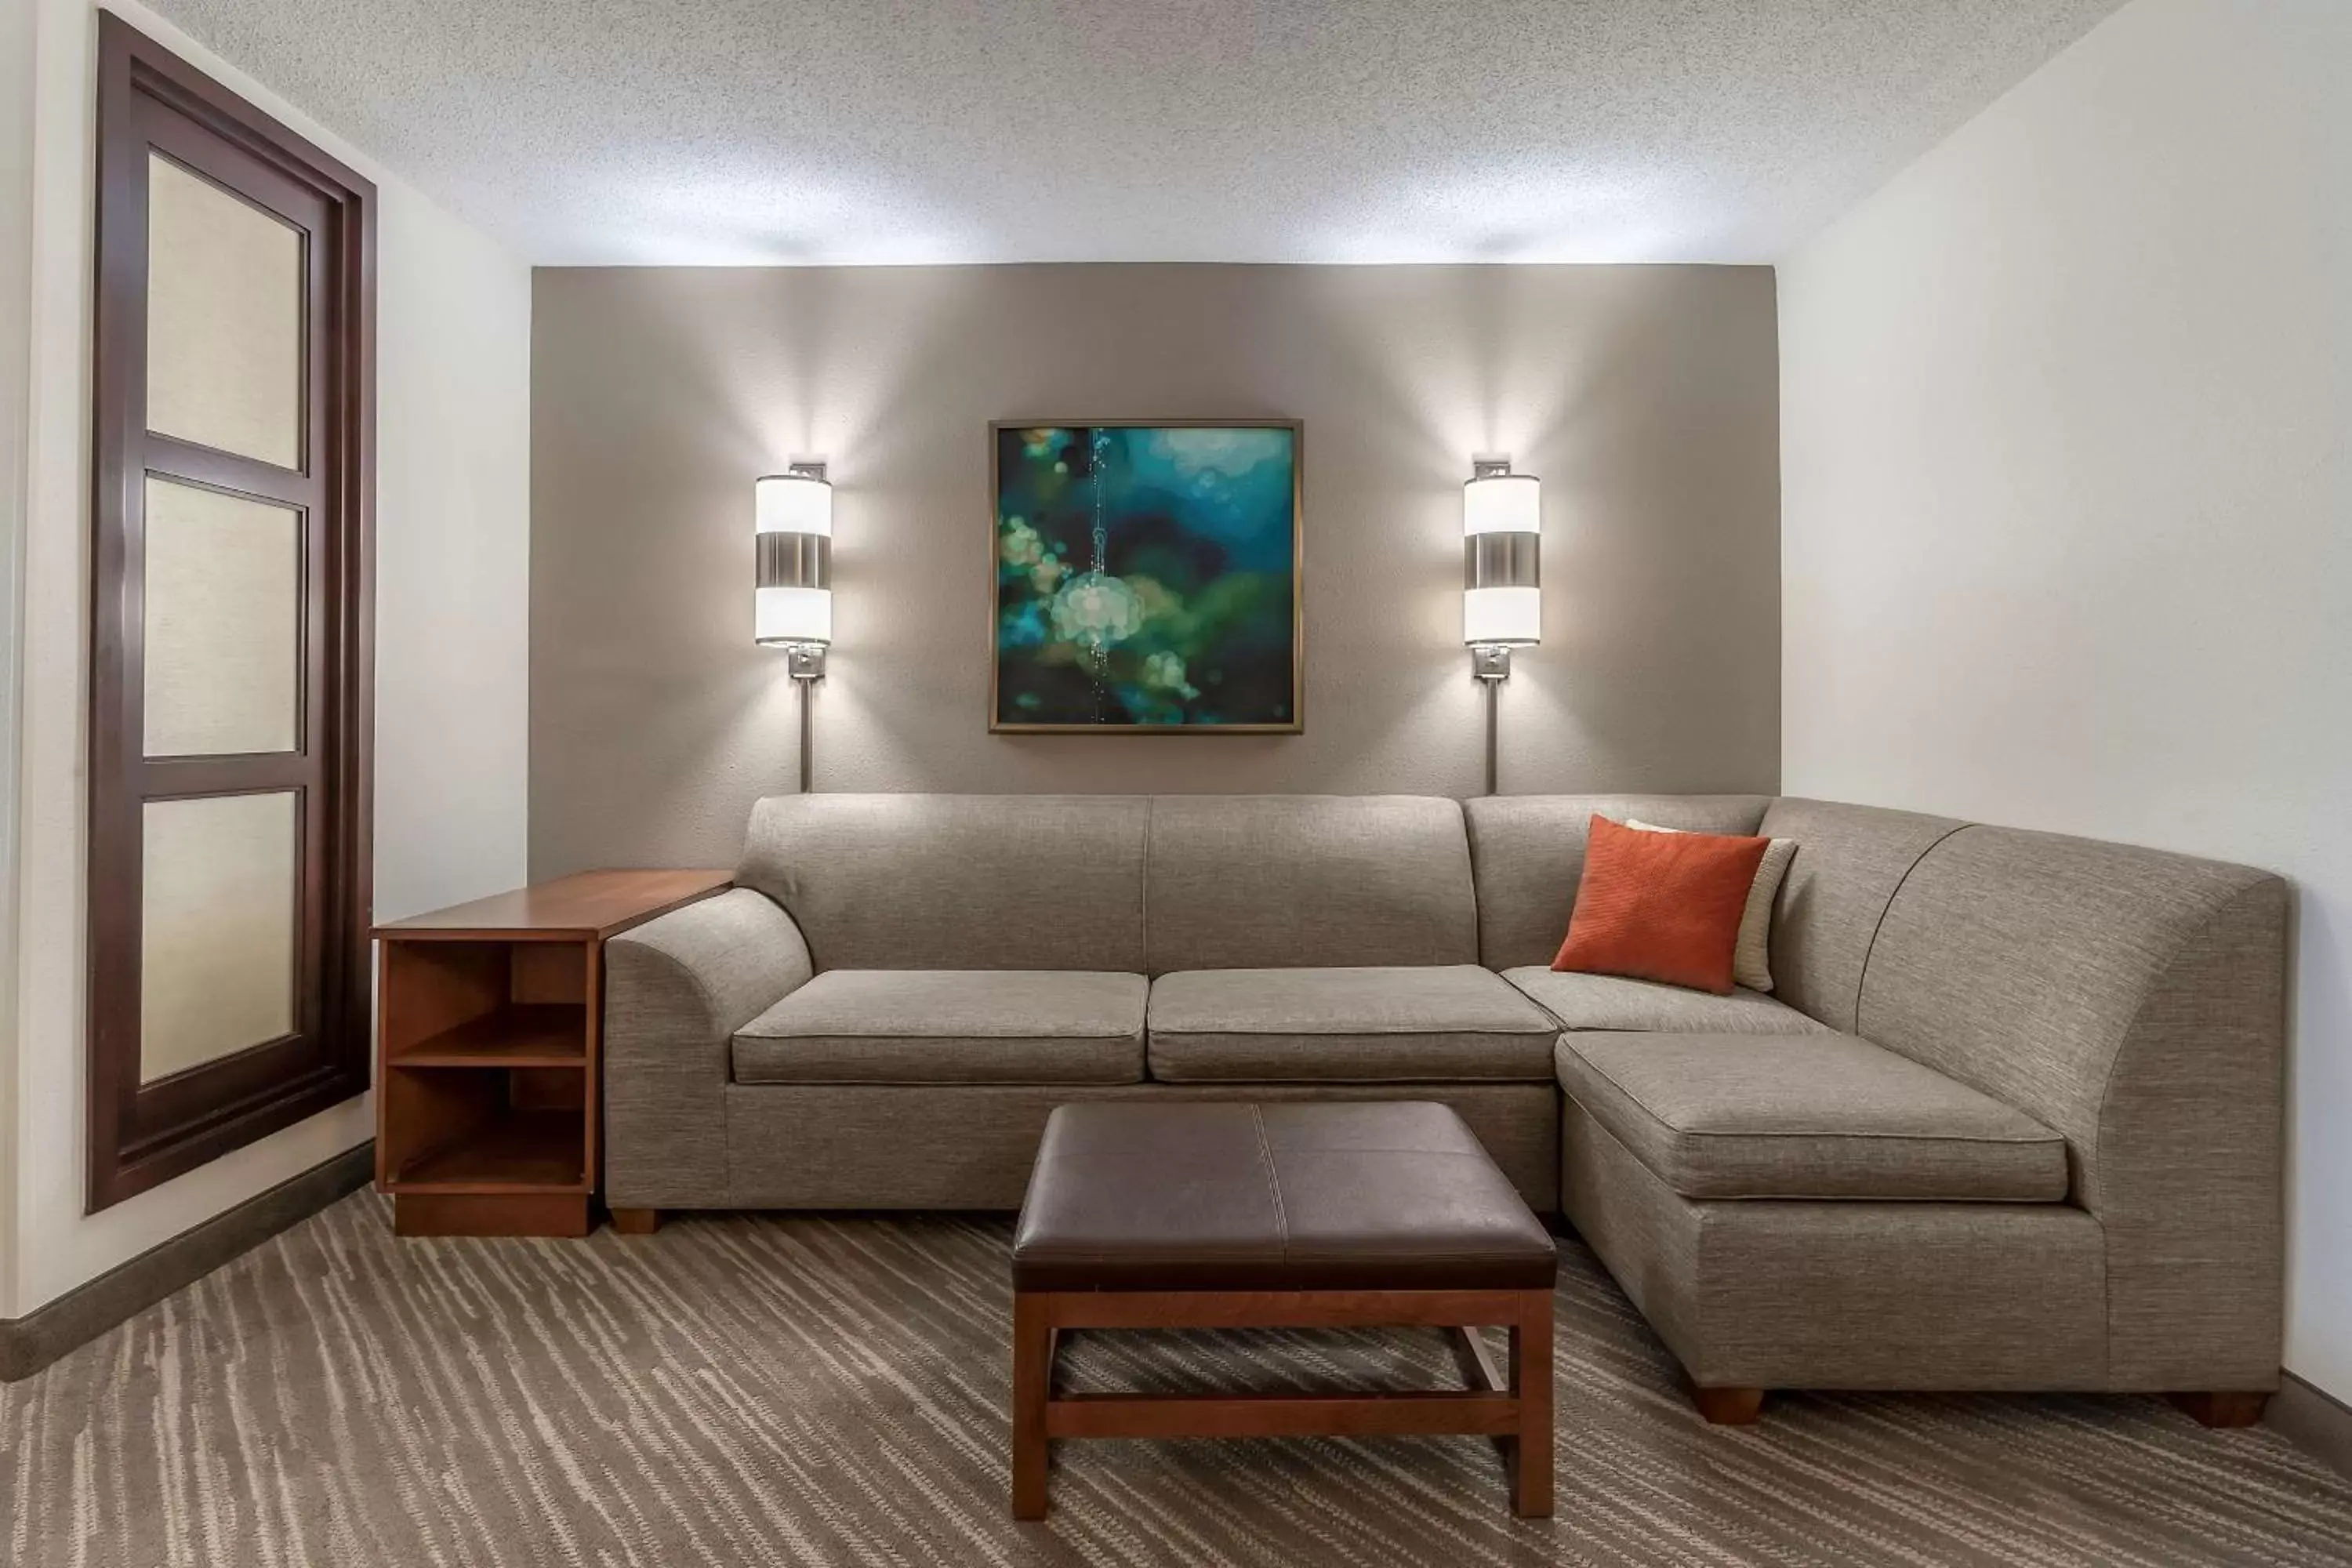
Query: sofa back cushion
[
  {"x": 1529, "y": 853},
  {"x": 2018, "y": 962},
  {"x": 1308, "y": 882},
  {"x": 956, "y": 881},
  {"x": 1849, "y": 861}
]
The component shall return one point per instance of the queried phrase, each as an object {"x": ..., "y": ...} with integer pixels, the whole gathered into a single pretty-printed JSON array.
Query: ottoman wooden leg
[
  {"x": 1530, "y": 1449},
  {"x": 1032, "y": 1385}
]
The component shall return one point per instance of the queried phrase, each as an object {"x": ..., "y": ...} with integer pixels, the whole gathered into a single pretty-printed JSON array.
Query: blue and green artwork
[{"x": 1146, "y": 576}]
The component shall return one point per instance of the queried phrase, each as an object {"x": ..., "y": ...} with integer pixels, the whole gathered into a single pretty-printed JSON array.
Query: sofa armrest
[
  {"x": 676, "y": 990},
  {"x": 2133, "y": 1001},
  {"x": 2186, "y": 1167}
]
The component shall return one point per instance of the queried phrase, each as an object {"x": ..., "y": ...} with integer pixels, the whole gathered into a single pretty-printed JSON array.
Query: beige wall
[
  {"x": 452, "y": 493},
  {"x": 2069, "y": 498},
  {"x": 1645, "y": 397}
]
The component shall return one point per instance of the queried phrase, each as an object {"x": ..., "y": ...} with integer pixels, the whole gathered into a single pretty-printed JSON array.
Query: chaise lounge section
[{"x": 2010, "y": 1118}]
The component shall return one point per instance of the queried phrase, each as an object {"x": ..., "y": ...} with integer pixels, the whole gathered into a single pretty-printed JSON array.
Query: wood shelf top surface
[
  {"x": 585, "y": 905},
  {"x": 517, "y": 1150},
  {"x": 518, "y": 1034}
]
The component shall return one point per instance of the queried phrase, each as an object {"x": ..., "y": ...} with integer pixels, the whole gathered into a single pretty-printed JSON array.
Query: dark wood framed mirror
[{"x": 230, "y": 637}]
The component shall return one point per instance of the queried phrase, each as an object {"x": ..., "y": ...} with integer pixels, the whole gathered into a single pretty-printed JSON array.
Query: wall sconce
[
  {"x": 1502, "y": 588},
  {"x": 793, "y": 602}
]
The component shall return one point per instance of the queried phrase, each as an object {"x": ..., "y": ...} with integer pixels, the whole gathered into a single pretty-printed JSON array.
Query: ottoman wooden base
[
  {"x": 1280, "y": 1216},
  {"x": 1512, "y": 1404}
]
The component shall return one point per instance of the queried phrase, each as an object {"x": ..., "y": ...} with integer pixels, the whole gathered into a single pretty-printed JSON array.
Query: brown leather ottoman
[{"x": 1227, "y": 1215}]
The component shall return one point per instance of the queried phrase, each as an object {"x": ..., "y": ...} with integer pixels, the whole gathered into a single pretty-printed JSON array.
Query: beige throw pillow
[{"x": 1751, "y": 964}]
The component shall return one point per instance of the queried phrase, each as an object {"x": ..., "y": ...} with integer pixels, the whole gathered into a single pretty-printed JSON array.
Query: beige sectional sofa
[{"x": 2010, "y": 1118}]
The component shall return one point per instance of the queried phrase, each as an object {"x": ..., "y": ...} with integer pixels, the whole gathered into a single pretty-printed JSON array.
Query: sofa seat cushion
[
  {"x": 1613, "y": 1002},
  {"x": 1423, "y": 1024},
  {"x": 1806, "y": 1116},
  {"x": 949, "y": 1025}
]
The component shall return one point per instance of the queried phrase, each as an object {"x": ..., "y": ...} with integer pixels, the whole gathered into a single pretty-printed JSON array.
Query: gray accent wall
[{"x": 1646, "y": 398}]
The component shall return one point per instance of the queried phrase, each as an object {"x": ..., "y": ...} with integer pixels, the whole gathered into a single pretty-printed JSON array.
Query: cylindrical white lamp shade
[
  {"x": 1502, "y": 582},
  {"x": 1502, "y": 618},
  {"x": 1503, "y": 503},
  {"x": 793, "y": 503},
  {"x": 793, "y": 528},
  {"x": 788, "y": 615}
]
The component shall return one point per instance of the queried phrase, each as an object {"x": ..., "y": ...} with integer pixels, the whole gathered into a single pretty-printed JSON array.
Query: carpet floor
[{"x": 750, "y": 1389}]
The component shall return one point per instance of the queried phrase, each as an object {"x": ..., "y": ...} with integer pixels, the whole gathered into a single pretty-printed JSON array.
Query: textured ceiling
[{"x": 903, "y": 130}]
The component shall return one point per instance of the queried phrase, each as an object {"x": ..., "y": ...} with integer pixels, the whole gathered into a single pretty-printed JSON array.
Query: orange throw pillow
[{"x": 1660, "y": 906}]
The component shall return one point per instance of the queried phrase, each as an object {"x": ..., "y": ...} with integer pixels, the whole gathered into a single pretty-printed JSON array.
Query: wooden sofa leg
[
  {"x": 636, "y": 1222},
  {"x": 1728, "y": 1406},
  {"x": 2222, "y": 1409}
]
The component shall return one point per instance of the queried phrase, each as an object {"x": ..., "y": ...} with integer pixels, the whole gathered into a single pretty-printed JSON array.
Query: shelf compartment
[
  {"x": 511, "y": 1150},
  {"x": 470, "y": 1128},
  {"x": 518, "y": 1035},
  {"x": 431, "y": 990}
]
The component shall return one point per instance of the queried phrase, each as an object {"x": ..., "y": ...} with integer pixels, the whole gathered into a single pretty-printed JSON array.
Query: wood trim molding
[
  {"x": 2312, "y": 1420},
  {"x": 80, "y": 1315}
]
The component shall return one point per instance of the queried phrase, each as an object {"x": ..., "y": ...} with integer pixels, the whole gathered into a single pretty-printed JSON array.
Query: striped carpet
[{"x": 822, "y": 1390}]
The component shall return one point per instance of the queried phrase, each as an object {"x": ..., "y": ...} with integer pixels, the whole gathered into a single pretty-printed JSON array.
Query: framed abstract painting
[{"x": 1146, "y": 577}]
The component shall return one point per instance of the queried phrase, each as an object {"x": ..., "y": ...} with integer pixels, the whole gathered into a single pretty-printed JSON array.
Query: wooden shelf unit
[{"x": 489, "y": 1052}]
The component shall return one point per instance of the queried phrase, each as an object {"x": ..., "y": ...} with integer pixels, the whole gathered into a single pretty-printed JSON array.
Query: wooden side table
[{"x": 489, "y": 1043}]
